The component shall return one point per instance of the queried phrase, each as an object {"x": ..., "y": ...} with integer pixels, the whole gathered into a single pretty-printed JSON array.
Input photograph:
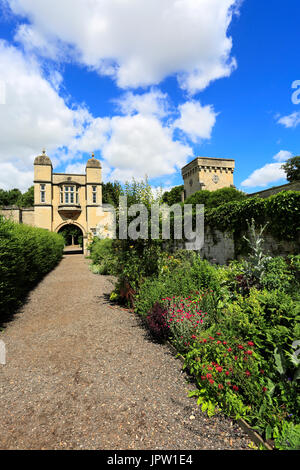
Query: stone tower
[
  {"x": 207, "y": 173},
  {"x": 43, "y": 191}
]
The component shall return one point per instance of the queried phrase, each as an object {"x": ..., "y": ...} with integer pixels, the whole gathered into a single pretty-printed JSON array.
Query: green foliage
[
  {"x": 225, "y": 195},
  {"x": 284, "y": 206},
  {"x": 26, "y": 255},
  {"x": 139, "y": 192},
  {"x": 292, "y": 169},
  {"x": 72, "y": 235},
  {"x": 14, "y": 197},
  {"x": 102, "y": 256},
  {"x": 212, "y": 199},
  {"x": 174, "y": 196},
  {"x": 27, "y": 198},
  {"x": 111, "y": 193},
  {"x": 10, "y": 198},
  {"x": 289, "y": 438},
  {"x": 200, "y": 197},
  {"x": 177, "y": 275}
]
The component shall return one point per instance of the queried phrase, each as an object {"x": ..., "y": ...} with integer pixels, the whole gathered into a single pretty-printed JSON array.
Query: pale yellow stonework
[
  {"x": 61, "y": 199},
  {"x": 207, "y": 173}
]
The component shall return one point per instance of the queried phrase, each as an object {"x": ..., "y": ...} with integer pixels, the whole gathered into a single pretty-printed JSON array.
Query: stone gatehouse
[{"x": 62, "y": 199}]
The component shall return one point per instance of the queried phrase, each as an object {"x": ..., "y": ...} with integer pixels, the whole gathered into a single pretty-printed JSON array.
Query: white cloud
[
  {"x": 292, "y": 120},
  {"x": 195, "y": 120},
  {"x": 282, "y": 156},
  {"x": 13, "y": 177},
  {"x": 34, "y": 115},
  {"x": 262, "y": 177},
  {"x": 270, "y": 173},
  {"x": 140, "y": 145},
  {"x": 138, "y": 42},
  {"x": 76, "y": 168},
  {"x": 152, "y": 103}
]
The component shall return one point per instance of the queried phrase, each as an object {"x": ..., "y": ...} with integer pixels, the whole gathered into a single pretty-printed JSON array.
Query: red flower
[
  {"x": 224, "y": 342},
  {"x": 205, "y": 341},
  {"x": 219, "y": 342},
  {"x": 235, "y": 388},
  {"x": 249, "y": 352},
  {"x": 218, "y": 333},
  {"x": 211, "y": 381},
  {"x": 219, "y": 369},
  {"x": 247, "y": 373},
  {"x": 240, "y": 346},
  {"x": 262, "y": 371},
  {"x": 250, "y": 343},
  {"x": 229, "y": 349},
  {"x": 264, "y": 389},
  {"x": 227, "y": 373},
  {"x": 209, "y": 376},
  {"x": 220, "y": 386}
]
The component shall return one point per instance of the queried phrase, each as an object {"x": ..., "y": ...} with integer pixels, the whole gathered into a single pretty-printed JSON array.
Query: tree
[
  {"x": 111, "y": 193},
  {"x": 10, "y": 198},
  {"x": 224, "y": 195},
  {"x": 14, "y": 197},
  {"x": 292, "y": 169},
  {"x": 27, "y": 199},
  {"x": 216, "y": 198},
  {"x": 199, "y": 197},
  {"x": 173, "y": 196}
]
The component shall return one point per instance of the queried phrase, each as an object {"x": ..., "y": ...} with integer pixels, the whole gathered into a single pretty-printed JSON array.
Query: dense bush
[
  {"x": 212, "y": 199},
  {"x": 26, "y": 255},
  {"x": 178, "y": 275},
  {"x": 102, "y": 256}
]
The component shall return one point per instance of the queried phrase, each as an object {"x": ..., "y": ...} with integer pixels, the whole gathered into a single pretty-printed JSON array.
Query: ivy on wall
[{"x": 281, "y": 212}]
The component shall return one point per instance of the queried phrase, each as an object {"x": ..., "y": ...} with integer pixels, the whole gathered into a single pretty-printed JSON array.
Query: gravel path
[{"x": 82, "y": 374}]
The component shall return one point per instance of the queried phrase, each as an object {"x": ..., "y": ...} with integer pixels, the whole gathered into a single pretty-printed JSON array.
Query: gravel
[{"x": 83, "y": 374}]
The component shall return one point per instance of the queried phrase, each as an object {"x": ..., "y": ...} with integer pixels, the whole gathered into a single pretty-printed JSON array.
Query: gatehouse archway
[{"x": 74, "y": 238}]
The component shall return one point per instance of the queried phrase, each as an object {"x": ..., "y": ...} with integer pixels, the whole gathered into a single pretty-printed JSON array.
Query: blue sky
[{"x": 148, "y": 87}]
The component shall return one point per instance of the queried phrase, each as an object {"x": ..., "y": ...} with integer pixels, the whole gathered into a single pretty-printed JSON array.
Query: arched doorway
[{"x": 73, "y": 236}]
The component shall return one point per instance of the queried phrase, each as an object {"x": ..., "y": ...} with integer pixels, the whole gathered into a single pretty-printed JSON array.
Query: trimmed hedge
[{"x": 26, "y": 255}]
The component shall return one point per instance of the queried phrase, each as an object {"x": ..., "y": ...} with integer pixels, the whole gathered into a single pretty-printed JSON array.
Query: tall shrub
[{"x": 26, "y": 255}]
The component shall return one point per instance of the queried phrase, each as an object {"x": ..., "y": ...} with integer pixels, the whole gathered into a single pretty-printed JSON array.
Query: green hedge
[
  {"x": 281, "y": 212},
  {"x": 26, "y": 255}
]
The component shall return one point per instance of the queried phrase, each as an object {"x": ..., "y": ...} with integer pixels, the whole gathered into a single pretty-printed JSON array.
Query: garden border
[{"x": 256, "y": 438}]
